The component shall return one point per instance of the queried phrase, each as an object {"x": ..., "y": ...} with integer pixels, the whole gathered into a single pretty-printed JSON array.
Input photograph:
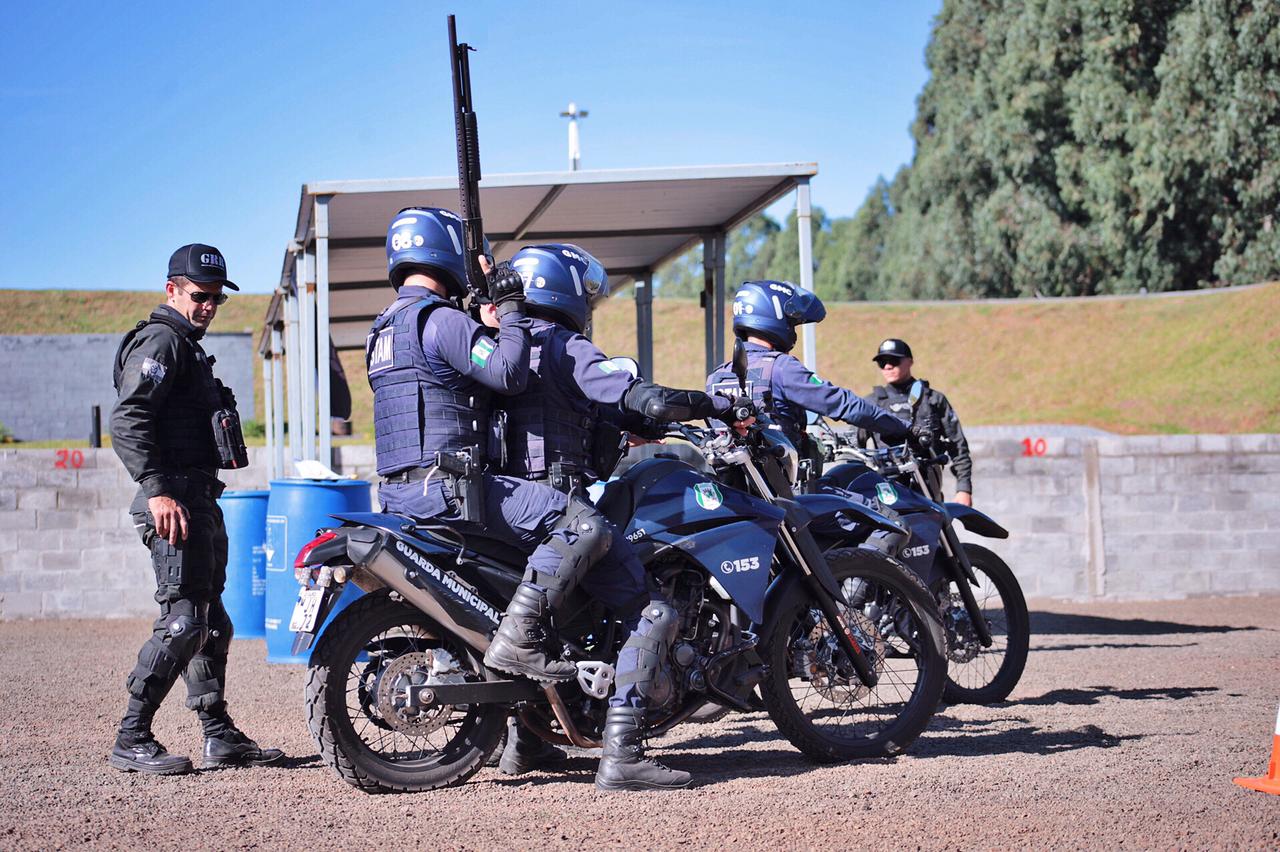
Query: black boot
[
  {"x": 526, "y": 751},
  {"x": 143, "y": 753},
  {"x": 520, "y": 646},
  {"x": 233, "y": 748},
  {"x": 623, "y": 765}
]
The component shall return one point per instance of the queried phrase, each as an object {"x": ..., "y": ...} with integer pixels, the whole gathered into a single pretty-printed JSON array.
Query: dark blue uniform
[
  {"x": 434, "y": 371},
  {"x": 572, "y": 386}
]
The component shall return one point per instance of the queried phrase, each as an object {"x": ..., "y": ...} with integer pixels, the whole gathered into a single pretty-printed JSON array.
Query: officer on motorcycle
[
  {"x": 563, "y": 431},
  {"x": 933, "y": 409},
  {"x": 174, "y": 425}
]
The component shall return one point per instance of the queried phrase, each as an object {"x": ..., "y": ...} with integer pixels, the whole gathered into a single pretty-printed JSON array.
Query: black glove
[
  {"x": 506, "y": 289},
  {"x": 923, "y": 435},
  {"x": 743, "y": 408}
]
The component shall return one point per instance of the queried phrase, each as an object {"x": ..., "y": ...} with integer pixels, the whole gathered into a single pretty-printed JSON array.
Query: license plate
[{"x": 306, "y": 610}]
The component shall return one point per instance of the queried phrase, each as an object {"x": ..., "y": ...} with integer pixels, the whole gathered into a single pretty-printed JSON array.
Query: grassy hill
[{"x": 1200, "y": 362}]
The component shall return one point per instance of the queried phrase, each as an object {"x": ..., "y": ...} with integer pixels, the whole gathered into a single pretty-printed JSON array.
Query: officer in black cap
[
  {"x": 932, "y": 410},
  {"x": 173, "y": 426}
]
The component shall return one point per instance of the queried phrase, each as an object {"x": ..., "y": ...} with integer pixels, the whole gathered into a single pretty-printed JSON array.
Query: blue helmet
[
  {"x": 427, "y": 239},
  {"x": 773, "y": 309},
  {"x": 563, "y": 280}
]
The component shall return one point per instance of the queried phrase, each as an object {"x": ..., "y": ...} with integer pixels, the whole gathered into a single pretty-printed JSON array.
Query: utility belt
[
  {"x": 192, "y": 483},
  {"x": 463, "y": 475}
]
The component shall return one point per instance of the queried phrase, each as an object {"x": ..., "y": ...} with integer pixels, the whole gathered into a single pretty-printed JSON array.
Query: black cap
[
  {"x": 200, "y": 263},
  {"x": 893, "y": 348}
]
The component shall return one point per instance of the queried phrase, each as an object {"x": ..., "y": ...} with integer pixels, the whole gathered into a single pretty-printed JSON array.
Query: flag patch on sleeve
[
  {"x": 481, "y": 351},
  {"x": 153, "y": 370}
]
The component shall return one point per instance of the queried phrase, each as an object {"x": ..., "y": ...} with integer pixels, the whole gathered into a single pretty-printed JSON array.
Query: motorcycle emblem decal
[
  {"x": 748, "y": 563},
  {"x": 885, "y": 492},
  {"x": 708, "y": 496}
]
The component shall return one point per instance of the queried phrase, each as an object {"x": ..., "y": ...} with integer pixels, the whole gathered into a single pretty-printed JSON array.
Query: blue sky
[{"x": 127, "y": 130}]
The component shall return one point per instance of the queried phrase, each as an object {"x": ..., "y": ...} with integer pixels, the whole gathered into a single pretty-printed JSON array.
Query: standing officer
[
  {"x": 765, "y": 316},
  {"x": 173, "y": 427},
  {"x": 555, "y": 435},
  {"x": 933, "y": 410}
]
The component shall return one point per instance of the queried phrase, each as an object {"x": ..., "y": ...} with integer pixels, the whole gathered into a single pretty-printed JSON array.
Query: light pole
[{"x": 575, "y": 150}]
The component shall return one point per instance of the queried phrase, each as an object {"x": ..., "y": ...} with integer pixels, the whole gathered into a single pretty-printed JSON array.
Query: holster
[
  {"x": 466, "y": 480},
  {"x": 608, "y": 446},
  {"x": 227, "y": 435},
  {"x": 565, "y": 478}
]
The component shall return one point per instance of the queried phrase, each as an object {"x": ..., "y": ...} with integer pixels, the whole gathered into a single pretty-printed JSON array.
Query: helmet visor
[
  {"x": 593, "y": 280},
  {"x": 804, "y": 307}
]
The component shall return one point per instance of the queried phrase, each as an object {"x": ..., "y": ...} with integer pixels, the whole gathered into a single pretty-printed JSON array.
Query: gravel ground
[{"x": 1126, "y": 730}]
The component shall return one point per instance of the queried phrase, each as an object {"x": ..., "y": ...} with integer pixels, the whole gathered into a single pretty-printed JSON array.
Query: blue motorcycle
[
  {"x": 843, "y": 648},
  {"x": 983, "y": 608}
]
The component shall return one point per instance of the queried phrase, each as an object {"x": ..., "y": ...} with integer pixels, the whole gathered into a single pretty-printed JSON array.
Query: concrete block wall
[
  {"x": 52, "y": 381},
  {"x": 1113, "y": 517}
]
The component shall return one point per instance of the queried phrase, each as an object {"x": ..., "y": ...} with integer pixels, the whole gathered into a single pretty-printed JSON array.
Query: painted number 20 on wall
[{"x": 63, "y": 459}]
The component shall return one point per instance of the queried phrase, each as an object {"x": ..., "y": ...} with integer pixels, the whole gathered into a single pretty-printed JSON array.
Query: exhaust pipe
[{"x": 388, "y": 571}]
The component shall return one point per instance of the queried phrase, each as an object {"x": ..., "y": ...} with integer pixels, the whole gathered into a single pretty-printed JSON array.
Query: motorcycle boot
[
  {"x": 145, "y": 754},
  {"x": 525, "y": 643},
  {"x": 644, "y": 680},
  {"x": 623, "y": 765},
  {"x": 233, "y": 748},
  {"x": 526, "y": 751}
]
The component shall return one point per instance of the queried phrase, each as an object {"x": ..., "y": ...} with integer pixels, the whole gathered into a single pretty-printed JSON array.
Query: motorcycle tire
[
  {"x": 976, "y": 681},
  {"x": 364, "y": 631},
  {"x": 914, "y": 634}
]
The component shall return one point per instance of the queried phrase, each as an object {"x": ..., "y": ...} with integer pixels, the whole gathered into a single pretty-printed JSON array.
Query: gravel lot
[{"x": 1127, "y": 728}]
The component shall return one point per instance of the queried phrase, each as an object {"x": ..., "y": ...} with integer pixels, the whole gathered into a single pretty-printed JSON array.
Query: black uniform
[
  {"x": 162, "y": 430},
  {"x": 935, "y": 410}
]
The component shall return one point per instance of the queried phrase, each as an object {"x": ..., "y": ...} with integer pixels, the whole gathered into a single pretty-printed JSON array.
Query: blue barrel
[
  {"x": 295, "y": 510},
  {"x": 245, "y": 513}
]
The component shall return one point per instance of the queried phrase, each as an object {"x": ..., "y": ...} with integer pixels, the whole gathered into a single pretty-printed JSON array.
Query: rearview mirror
[
  {"x": 916, "y": 392},
  {"x": 740, "y": 363}
]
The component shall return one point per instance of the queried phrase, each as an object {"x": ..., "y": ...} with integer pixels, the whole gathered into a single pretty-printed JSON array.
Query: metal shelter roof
[{"x": 633, "y": 220}]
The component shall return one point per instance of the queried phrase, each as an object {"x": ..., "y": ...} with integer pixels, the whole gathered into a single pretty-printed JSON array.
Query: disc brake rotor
[
  {"x": 840, "y": 684},
  {"x": 415, "y": 669},
  {"x": 962, "y": 642}
]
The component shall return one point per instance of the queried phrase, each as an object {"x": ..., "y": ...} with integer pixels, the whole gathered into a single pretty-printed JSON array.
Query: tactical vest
[
  {"x": 899, "y": 404},
  {"x": 785, "y": 415},
  {"x": 416, "y": 412},
  {"x": 184, "y": 427},
  {"x": 546, "y": 425}
]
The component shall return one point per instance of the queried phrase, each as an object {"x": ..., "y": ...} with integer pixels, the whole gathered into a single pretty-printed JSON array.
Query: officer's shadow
[{"x": 309, "y": 761}]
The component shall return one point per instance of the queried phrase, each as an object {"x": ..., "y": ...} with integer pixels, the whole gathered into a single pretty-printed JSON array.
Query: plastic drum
[{"x": 245, "y": 514}]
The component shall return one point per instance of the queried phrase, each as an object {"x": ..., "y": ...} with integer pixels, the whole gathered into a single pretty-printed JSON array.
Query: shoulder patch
[
  {"x": 153, "y": 370},
  {"x": 481, "y": 351},
  {"x": 814, "y": 380},
  {"x": 608, "y": 367}
]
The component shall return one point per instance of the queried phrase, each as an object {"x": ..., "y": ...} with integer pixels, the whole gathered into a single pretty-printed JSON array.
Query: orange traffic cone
[{"x": 1271, "y": 783}]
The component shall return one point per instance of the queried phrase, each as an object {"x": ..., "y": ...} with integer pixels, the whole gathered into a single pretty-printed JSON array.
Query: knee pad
[
  {"x": 581, "y": 537},
  {"x": 648, "y": 646}
]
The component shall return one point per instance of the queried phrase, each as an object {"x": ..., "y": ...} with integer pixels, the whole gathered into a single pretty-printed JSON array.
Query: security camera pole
[{"x": 575, "y": 150}]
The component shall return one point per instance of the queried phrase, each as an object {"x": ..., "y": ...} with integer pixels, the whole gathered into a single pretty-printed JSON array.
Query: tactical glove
[{"x": 506, "y": 289}]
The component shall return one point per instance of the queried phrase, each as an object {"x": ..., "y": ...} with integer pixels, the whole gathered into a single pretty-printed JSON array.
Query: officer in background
[
  {"x": 563, "y": 431},
  {"x": 173, "y": 426},
  {"x": 933, "y": 410},
  {"x": 765, "y": 316}
]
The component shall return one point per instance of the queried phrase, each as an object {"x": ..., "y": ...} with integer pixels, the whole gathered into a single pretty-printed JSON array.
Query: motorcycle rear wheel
[
  {"x": 365, "y": 657},
  {"x": 978, "y": 675},
  {"x": 813, "y": 695}
]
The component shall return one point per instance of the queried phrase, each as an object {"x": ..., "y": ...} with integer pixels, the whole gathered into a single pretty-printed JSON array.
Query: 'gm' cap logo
[{"x": 213, "y": 260}]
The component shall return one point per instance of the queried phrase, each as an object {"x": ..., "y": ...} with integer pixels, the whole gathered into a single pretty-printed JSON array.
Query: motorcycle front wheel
[
  {"x": 978, "y": 675},
  {"x": 357, "y": 707},
  {"x": 813, "y": 693}
]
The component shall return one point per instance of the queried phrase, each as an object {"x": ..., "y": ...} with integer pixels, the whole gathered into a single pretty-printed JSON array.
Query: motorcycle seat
[{"x": 479, "y": 543}]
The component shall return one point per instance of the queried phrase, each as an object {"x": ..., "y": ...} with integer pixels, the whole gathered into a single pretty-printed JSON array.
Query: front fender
[
  {"x": 975, "y": 521},
  {"x": 822, "y": 504}
]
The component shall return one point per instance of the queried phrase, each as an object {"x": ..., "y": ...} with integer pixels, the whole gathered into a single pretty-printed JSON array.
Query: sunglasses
[
  {"x": 200, "y": 297},
  {"x": 888, "y": 362}
]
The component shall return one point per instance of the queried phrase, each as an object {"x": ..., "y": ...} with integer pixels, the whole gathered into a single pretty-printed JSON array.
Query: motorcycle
[
  {"x": 983, "y": 608},
  {"x": 398, "y": 698}
]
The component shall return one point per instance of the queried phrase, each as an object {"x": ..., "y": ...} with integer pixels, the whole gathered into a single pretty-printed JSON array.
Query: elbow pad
[{"x": 667, "y": 404}]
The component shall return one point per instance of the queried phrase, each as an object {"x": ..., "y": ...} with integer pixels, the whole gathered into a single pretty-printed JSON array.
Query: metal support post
[
  {"x": 277, "y": 405},
  {"x": 322, "y": 331},
  {"x": 293, "y": 359},
  {"x": 721, "y": 250},
  {"x": 644, "y": 324},
  {"x": 804, "y": 222},
  {"x": 307, "y": 367},
  {"x": 709, "y": 300},
  {"x": 268, "y": 413}
]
